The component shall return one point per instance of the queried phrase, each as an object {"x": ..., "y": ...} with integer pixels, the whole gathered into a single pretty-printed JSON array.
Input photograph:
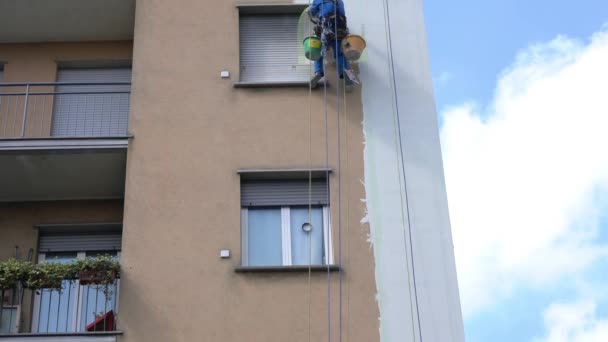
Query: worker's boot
[
  {"x": 314, "y": 82},
  {"x": 350, "y": 79},
  {"x": 348, "y": 84},
  {"x": 351, "y": 76}
]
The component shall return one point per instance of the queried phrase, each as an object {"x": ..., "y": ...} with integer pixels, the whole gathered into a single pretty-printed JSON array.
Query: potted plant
[
  {"x": 101, "y": 270},
  {"x": 48, "y": 275},
  {"x": 13, "y": 272}
]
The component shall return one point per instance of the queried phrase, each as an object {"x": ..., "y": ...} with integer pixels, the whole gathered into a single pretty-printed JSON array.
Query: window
[
  {"x": 271, "y": 49},
  {"x": 279, "y": 228}
]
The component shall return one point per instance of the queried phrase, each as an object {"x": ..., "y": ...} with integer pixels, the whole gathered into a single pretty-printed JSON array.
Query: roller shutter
[
  {"x": 91, "y": 114},
  {"x": 271, "y": 48},
  {"x": 80, "y": 242},
  {"x": 283, "y": 192}
]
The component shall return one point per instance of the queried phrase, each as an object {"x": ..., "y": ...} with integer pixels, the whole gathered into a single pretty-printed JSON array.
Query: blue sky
[
  {"x": 473, "y": 40},
  {"x": 521, "y": 95}
]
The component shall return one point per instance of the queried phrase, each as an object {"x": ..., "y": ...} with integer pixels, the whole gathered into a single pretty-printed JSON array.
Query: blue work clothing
[
  {"x": 341, "y": 61},
  {"x": 325, "y": 8}
]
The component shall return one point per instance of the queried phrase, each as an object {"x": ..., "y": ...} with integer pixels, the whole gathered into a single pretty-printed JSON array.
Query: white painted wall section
[{"x": 405, "y": 189}]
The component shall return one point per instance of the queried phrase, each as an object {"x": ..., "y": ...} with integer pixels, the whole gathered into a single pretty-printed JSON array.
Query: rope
[
  {"x": 328, "y": 189},
  {"x": 310, "y": 72},
  {"x": 347, "y": 174},
  {"x": 325, "y": 101},
  {"x": 402, "y": 182},
  {"x": 338, "y": 72}
]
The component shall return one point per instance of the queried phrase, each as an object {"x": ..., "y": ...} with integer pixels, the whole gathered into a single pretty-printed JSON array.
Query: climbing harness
[{"x": 334, "y": 27}]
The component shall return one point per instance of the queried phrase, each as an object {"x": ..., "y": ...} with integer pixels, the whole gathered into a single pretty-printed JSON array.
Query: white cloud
[
  {"x": 524, "y": 175},
  {"x": 574, "y": 322}
]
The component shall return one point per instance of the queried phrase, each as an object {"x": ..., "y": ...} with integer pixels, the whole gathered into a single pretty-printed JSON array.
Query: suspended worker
[{"x": 329, "y": 18}]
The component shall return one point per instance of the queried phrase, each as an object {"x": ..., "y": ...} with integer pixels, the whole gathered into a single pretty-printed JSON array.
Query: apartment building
[{"x": 182, "y": 139}]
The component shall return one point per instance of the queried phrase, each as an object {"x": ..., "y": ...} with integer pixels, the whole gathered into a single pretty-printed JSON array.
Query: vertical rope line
[
  {"x": 407, "y": 206},
  {"x": 338, "y": 72},
  {"x": 402, "y": 182},
  {"x": 327, "y": 180},
  {"x": 310, "y": 73},
  {"x": 348, "y": 235}
]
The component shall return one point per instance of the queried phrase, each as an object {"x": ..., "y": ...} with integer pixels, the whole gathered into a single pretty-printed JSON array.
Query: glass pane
[
  {"x": 94, "y": 254},
  {"x": 264, "y": 236},
  {"x": 60, "y": 257},
  {"x": 300, "y": 239},
  {"x": 55, "y": 313}
]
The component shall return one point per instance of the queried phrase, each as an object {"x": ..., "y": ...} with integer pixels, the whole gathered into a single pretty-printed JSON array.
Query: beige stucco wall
[
  {"x": 17, "y": 221},
  {"x": 38, "y": 63},
  {"x": 192, "y": 132}
]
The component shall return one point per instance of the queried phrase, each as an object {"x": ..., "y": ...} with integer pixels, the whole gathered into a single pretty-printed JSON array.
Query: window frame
[
  {"x": 286, "y": 238},
  {"x": 265, "y": 9}
]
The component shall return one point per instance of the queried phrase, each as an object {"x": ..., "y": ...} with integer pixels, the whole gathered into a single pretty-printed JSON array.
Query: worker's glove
[{"x": 318, "y": 30}]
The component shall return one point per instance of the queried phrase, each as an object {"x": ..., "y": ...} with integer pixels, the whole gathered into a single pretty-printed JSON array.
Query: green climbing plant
[
  {"x": 48, "y": 275},
  {"x": 99, "y": 271},
  {"x": 13, "y": 272}
]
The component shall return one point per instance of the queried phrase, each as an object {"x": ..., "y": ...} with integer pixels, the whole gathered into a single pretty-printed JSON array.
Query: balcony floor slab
[
  {"x": 62, "y": 169},
  {"x": 110, "y": 336}
]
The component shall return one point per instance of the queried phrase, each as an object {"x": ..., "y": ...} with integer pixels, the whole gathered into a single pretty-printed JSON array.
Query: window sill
[
  {"x": 277, "y": 84},
  {"x": 247, "y": 8},
  {"x": 285, "y": 269}
]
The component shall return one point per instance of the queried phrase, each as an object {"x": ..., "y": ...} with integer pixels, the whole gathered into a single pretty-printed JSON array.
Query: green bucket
[{"x": 312, "y": 48}]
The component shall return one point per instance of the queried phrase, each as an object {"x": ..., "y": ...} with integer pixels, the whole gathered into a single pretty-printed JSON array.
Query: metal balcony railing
[
  {"x": 64, "y": 109},
  {"x": 74, "y": 309}
]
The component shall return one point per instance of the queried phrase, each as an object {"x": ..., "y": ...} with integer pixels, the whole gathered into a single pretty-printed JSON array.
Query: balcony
[
  {"x": 77, "y": 312},
  {"x": 28, "y": 21},
  {"x": 63, "y": 140},
  {"x": 60, "y": 281}
]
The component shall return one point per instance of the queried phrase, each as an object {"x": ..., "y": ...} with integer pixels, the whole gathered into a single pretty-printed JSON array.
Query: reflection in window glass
[
  {"x": 264, "y": 230},
  {"x": 300, "y": 239}
]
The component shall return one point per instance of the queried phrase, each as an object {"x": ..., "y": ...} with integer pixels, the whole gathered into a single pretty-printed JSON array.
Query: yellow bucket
[{"x": 353, "y": 46}]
